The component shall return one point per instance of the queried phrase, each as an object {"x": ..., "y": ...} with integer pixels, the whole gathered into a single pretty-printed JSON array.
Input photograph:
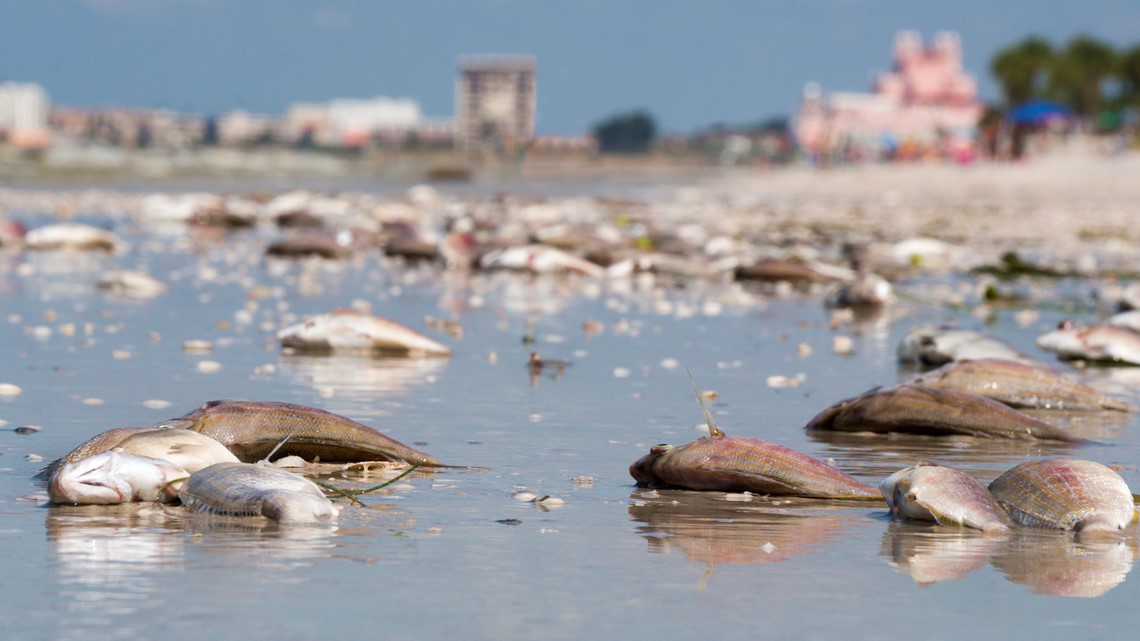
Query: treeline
[{"x": 1089, "y": 76}]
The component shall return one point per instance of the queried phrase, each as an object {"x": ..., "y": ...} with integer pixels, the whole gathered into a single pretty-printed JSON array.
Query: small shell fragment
[
  {"x": 8, "y": 389},
  {"x": 197, "y": 346}
]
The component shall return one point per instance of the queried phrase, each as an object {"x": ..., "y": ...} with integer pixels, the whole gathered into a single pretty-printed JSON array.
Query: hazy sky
[{"x": 690, "y": 63}]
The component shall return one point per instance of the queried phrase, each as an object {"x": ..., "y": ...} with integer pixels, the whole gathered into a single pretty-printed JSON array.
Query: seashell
[
  {"x": 941, "y": 345},
  {"x": 735, "y": 464},
  {"x": 1064, "y": 494},
  {"x": 347, "y": 330},
  {"x": 1018, "y": 385},
  {"x": 930, "y": 492},
  {"x": 912, "y": 409},
  {"x": 248, "y": 489}
]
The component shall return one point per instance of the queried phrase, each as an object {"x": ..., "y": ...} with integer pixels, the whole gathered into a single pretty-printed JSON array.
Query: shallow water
[{"x": 451, "y": 554}]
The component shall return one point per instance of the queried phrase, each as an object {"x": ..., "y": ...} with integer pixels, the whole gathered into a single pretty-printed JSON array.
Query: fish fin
[
  {"x": 713, "y": 429},
  {"x": 275, "y": 448}
]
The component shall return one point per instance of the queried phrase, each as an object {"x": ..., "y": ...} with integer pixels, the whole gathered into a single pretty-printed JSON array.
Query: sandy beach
[{"x": 1072, "y": 208}]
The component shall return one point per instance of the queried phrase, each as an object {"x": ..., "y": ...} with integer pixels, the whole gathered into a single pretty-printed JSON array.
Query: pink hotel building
[{"x": 927, "y": 102}]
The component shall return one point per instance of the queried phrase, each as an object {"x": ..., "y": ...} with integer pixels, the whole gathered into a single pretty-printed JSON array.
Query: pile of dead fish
[
  {"x": 974, "y": 393},
  {"x": 215, "y": 460}
]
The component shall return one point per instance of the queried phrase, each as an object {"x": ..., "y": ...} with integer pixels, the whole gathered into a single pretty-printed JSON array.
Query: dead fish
[
  {"x": 1127, "y": 320},
  {"x": 348, "y": 330},
  {"x": 248, "y": 489},
  {"x": 252, "y": 429},
  {"x": 97, "y": 444},
  {"x": 113, "y": 477},
  {"x": 941, "y": 345},
  {"x": 912, "y": 409},
  {"x": 540, "y": 259},
  {"x": 189, "y": 450},
  {"x": 1019, "y": 385},
  {"x": 306, "y": 245},
  {"x": 736, "y": 464},
  {"x": 131, "y": 283},
  {"x": 793, "y": 270},
  {"x": 867, "y": 290},
  {"x": 1104, "y": 343},
  {"x": 930, "y": 492},
  {"x": 1065, "y": 494},
  {"x": 71, "y": 236}
]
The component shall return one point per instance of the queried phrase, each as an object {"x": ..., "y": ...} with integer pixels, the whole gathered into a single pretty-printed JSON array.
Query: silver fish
[
  {"x": 187, "y": 449},
  {"x": 1105, "y": 343},
  {"x": 1018, "y": 385},
  {"x": 350, "y": 331},
  {"x": 1065, "y": 494},
  {"x": 940, "y": 345},
  {"x": 930, "y": 492},
  {"x": 113, "y": 477},
  {"x": 249, "y": 489}
]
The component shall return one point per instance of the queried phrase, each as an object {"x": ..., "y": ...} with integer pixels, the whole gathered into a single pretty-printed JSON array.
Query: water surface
[{"x": 451, "y": 554}]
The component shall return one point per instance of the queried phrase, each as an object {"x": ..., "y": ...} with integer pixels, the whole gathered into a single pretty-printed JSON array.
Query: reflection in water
[
  {"x": 109, "y": 558},
  {"x": 1053, "y": 563},
  {"x": 358, "y": 377},
  {"x": 930, "y": 554},
  {"x": 876, "y": 456},
  {"x": 1061, "y": 565},
  {"x": 711, "y": 530}
]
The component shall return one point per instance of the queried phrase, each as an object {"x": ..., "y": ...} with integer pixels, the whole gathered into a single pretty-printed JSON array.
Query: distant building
[
  {"x": 130, "y": 128},
  {"x": 495, "y": 102},
  {"x": 24, "y": 111},
  {"x": 346, "y": 122},
  {"x": 926, "y": 102},
  {"x": 240, "y": 127}
]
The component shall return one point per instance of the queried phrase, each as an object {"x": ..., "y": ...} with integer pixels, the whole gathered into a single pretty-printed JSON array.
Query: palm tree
[
  {"x": 1080, "y": 72},
  {"x": 1022, "y": 68}
]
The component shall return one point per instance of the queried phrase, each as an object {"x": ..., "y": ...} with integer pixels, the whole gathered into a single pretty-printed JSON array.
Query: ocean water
[{"x": 452, "y": 554}]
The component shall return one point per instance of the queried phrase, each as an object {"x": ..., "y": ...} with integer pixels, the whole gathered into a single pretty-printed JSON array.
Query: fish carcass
[
  {"x": 347, "y": 330},
  {"x": 735, "y": 464},
  {"x": 1104, "y": 343},
  {"x": 250, "y": 489},
  {"x": 912, "y": 409},
  {"x": 930, "y": 492},
  {"x": 113, "y": 477},
  {"x": 1019, "y": 385},
  {"x": 254, "y": 429},
  {"x": 1065, "y": 494},
  {"x": 940, "y": 345}
]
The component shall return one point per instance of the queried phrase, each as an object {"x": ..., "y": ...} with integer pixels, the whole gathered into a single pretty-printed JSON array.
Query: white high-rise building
[{"x": 24, "y": 114}]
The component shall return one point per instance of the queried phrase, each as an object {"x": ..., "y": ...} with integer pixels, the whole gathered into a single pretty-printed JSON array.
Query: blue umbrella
[{"x": 1036, "y": 112}]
